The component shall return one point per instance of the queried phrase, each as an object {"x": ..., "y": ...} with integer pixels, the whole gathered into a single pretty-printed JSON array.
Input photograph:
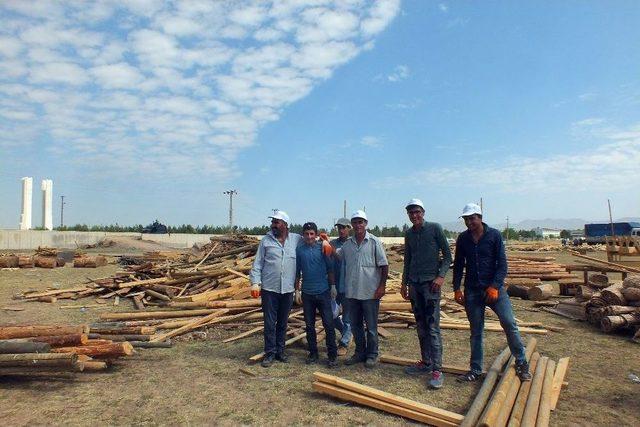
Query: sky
[{"x": 140, "y": 110}]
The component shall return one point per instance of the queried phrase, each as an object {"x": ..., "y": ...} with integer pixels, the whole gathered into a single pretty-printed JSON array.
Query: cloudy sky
[{"x": 142, "y": 109}]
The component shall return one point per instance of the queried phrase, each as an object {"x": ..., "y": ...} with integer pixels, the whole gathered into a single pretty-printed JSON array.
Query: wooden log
[
  {"x": 518, "y": 291},
  {"x": 533, "y": 400},
  {"x": 118, "y": 338},
  {"x": 124, "y": 330},
  {"x": 631, "y": 294},
  {"x": 190, "y": 326},
  {"x": 148, "y": 344},
  {"x": 156, "y": 314},
  {"x": 49, "y": 299},
  {"x": 9, "y": 347},
  {"x": 106, "y": 351},
  {"x": 38, "y": 360},
  {"x": 62, "y": 340},
  {"x": 544, "y": 410},
  {"x": 93, "y": 365},
  {"x": 7, "y": 332},
  {"x": 521, "y": 399},
  {"x": 558, "y": 380},
  {"x": 25, "y": 261},
  {"x": 584, "y": 292},
  {"x": 54, "y": 292},
  {"x": 257, "y": 302},
  {"x": 157, "y": 295},
  {"x": 137, "y": 302},
  {"x": 9, "y": 261},
  {"x": 45, "y": 261},
  {"x": 90, "y": 261},
  {"x": 478, "y": 404},
  {"x": 612, "y": 295},
  {"x": 499, "y": 407},
  {"x": 541, "y": 292},
  {"x": 632, "y": 281},
  {"x": 432, "y": 411}
]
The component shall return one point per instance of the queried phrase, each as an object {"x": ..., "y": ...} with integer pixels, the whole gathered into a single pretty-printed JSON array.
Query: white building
[
  {"x": 547, "y": 233},
  {"x": 27, "y": 198},
  {"x": 47, "y": 204}
]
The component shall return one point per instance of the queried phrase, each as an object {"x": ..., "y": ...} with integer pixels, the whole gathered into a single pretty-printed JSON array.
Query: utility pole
[
  {"x": 344, "y": 209},
  {"x": 507, "y": 232},
  {"x": 62, "y": 212},
  {"x": 230, "y": 193},
  {"x": 613, "y": 232},
  {"x": 481, "y": 208}
]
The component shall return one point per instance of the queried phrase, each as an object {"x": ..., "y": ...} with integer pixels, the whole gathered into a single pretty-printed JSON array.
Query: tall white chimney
[
  {"x": 27, "y": 197},
  {"x": 47, "y": 204}
]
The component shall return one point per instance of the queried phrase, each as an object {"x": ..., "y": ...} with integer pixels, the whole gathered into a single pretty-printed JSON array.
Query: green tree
[{"x": 565, "y": 234}]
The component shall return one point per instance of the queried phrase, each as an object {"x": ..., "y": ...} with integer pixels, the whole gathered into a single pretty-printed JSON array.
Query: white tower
[
  {"x": 27, "y": 197},
  {"x": 47, "y": 204}
]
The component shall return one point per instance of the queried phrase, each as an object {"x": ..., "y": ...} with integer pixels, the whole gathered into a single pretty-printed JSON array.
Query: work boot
[
  {"x": 371, "y": 362},
  {"x": 418, "y": 368},
  {"x": 522, "y": 371},
  {"x": 469, "y": 377},
  {"x": 437, "y": 380},
  {"x": 311, "y": 358},
  {"x": 267, "y": 361},
  {"x": 282, "y": 357},
  {"x": 332, "y": 362},
  {"x": 353, "y": 360}
]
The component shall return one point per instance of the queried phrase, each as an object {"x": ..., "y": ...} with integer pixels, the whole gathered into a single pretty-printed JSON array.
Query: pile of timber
[
  {"x": 526, "y": 276},
  {"x": 86, "y": 261},
  {"x": 40, "y": 350},
  {"x": 616, "y": 306},
  {"x": 502, "y": 399}
]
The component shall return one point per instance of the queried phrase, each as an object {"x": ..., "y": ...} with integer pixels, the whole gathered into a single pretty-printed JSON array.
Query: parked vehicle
[{"x": 596, "y": 233}]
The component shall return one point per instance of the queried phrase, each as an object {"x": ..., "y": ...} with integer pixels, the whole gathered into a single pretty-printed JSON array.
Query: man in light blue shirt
[{"x": 273, "y": 276}]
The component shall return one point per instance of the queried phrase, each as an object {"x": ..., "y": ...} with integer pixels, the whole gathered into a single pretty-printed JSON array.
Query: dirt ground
[{"x": 198, "y": 382}]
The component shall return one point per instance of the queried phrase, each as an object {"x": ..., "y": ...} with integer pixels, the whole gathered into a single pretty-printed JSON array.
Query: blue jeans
[
  {"x": 275, "y": 308},
  {"x": 363, "y": 312},
  {"x": 426, "y": 310},
  {"x": 474, "y": 306},
  {"x": 343, "y": 323},
  {"x": 321, "y": 303}
]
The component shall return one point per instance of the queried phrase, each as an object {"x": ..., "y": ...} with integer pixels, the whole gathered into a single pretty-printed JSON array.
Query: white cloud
[
  {"x": 186, "y": 85},
  {"x": 371, "y": 141},
  {"x": 401, "y": 72}
]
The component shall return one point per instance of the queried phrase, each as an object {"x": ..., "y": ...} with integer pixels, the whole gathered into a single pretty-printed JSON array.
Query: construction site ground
[{"x": 199, "y": 382}]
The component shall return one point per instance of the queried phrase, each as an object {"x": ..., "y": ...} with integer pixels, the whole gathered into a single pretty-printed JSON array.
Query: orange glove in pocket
[{"x": 490, "y": 295}]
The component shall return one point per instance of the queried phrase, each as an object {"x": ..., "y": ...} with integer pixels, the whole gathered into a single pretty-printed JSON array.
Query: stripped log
[
  {"x": 541, "y": 292},
  {"x": 544, "y": 410},
  {"x": 49, "y": 360},
  {"x": 7, "y": 332},
  {"x": 533, "y": 400},
  {"x": 124, "y": 330},
  {"x": 89, "y": 261},
  {"x": 521, "y": 399},
  {"x": 62, "y": 340},
  {"x": 9, "y": 347},
  {"x": 125, "y": 337},
  {"x": 9, "y": 261},
  {"x": 105, "y": 351},
  {"x": 45, "y": 261},
  {"x": 518, "y": 291}
]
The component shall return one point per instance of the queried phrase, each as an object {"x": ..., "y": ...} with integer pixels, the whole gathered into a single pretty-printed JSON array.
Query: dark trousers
[
  {"x": 275, "y": 308},
  {"x": 364, "y": 312},
  {"x": 426, "y": 310},
  {"x": 322, "y": 304},
  {"x": 474, "y": 306}
]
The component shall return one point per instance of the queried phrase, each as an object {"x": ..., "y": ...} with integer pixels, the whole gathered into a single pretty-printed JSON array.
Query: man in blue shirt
[
  {"x": 318, "y": 289},
  {"x": 480, "y": 251},
  {"x": 342, "y": 323},
  {"x": 274, "y": 271}
]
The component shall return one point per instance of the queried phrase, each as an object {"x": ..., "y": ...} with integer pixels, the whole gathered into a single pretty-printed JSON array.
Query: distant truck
[
  {"x": 596, "y": 233},
  {"x": 156, "y": 228}
]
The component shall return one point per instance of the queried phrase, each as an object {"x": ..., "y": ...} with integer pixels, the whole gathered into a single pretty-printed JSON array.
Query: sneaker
[
  {"x": 469, "y": 377},
  {"x": 353, "y": 360},
  {"x": 311, "y": 358},
  {"x": 437, "y": 380},
  {"x": 282, "y": 357},
  {"x": 370, "y": 362},
  {"x": 418, "y": 368},
  {"x": 267, "y": 361},
  {"x": 342, "y": 350},
  {"x": 332, "y": 362},
  {"x": 522, "y": 371}
]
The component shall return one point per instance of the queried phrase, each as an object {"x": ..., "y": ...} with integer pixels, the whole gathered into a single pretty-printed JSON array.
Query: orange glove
[
  {"x": 255, "y": 291},
  {"x": 490, "y": 295},
  {"x": 459, "y": 297},
  {"x": 327, "y": 249},
  {"x": 324, "y": 236}
]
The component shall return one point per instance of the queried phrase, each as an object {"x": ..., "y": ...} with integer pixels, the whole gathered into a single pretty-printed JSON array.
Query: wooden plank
[
  {"x": 544, "y": 410},
  {"x": 523, "y": 393},
  {"x": 558, "y": 379},
  {"x": 533, "y": 400},
  {"x": 351, "y": 396}
]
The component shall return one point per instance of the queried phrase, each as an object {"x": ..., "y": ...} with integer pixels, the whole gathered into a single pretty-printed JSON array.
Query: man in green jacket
[{"x": 426, "y": 261}]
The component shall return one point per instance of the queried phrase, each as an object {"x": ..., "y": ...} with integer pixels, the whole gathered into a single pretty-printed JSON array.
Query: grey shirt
[
  {"x": 362, "y": 266},
  {"x": 426, "y": 254},
  {"x": 275, "y": 263}
]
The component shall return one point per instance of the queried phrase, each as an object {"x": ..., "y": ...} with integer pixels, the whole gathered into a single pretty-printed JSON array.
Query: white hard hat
[
  {"x": 471, "y": 209},
  {"x": 359, "y": 214},
  {"x": 414, "y": 202},
  {"x": 282, "y": 215}
]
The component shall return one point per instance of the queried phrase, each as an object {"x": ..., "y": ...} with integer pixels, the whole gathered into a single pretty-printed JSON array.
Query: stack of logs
[
  {"x": 612, "y": 306},
  {"x": 48, "y": 258},
  {"x": 51, "y": 349},
  {"x": 526, "y": 274}
]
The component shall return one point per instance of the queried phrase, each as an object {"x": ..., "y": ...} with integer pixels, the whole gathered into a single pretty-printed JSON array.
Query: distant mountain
[{"x": 528, "y": 224}]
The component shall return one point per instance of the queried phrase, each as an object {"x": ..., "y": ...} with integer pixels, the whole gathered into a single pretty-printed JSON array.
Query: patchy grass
[{"x": 198, "y": 382}]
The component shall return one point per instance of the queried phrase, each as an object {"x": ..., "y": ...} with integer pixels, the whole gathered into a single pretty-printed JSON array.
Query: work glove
[
  {"x": 334, "y": 292},
  {"x": 255, "y": 290},
  {"x": 404, "y": 291},
  {"x": 324, "y": 236},
  {"x": 436, "y": 284},
  {"x": 490, "y": 295},
  {"x": 459, "y": 297},
  {"x": 297, "y": 296},
  {"x": 327, "y": 249},
  {"x": 380, "y": 291}
]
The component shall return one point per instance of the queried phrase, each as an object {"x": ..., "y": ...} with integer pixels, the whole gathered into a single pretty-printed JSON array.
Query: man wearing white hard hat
[
  {"x": 426, "y": 261},
  {"x": 366, "y": 271},
  {"x": 480, "y": 254},
  {"x": 273, "y": 277}
]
